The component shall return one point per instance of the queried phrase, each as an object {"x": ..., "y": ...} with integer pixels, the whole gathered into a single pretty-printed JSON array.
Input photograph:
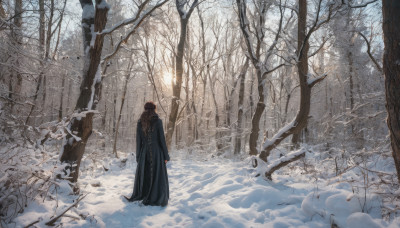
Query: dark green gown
[{"x": 151, "y": 179}]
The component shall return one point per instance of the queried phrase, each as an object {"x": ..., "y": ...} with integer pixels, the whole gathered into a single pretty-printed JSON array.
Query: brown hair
[{"x": 147, "y": 115}]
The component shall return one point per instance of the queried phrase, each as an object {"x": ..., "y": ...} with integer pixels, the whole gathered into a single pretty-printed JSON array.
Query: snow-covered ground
[{"x": 210, "y": 193}]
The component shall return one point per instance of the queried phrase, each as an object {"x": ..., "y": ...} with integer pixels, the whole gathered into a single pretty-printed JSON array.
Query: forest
[{"x": 276, "y": 113}]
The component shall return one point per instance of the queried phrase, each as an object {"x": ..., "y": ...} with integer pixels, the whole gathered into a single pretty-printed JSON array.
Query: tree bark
[
  {"x": 391, "y": 68},
  {"x": 302, "y": 70},
  {"x": 2, "y": 11}
]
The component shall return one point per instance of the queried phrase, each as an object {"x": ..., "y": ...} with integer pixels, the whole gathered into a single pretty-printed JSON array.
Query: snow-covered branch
[
  {"x": 313, "y": 81},
  {"x": 279, "y": 135},
  {"x": 283, "y": 161}
]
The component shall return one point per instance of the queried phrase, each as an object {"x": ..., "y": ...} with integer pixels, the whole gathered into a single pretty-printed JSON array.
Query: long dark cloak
[{"x": 151, "y": 179}]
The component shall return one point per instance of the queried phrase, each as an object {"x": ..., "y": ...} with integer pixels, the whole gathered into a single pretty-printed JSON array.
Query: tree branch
[
  {"x": 314, "y": 81},
  {"x": 370, "y": 54},
  {"x": 141, "y": 7},
  {"x": 52, "y": 221},
  {"x": 284, "y": 161},
  {"x": 139, "y": 21}
]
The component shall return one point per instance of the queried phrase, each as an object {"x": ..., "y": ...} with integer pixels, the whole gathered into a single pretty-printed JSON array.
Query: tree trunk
[
  {"x": 115, "y": 96},
  {"x": 203, "y": 76},
  {"x": 189, "y": 136},
  {"x": 49, "y": 32},
  {"x": 255, "y": 122},
  {"x": 80, "y": 127},
  {"x": 218, "y": 143},
  {"x": 59, "y": 30},
  {"x": 391, "y": 68},
  {"x": 176, "y": 88},
  {"x": 16, "y": 33},
  {"x": 60, "y": 109},
  {"x": 42, "y": 24},
  {"x": 239, "y": 129},
  {"x": 120, "y": 114},
  {"x": 70, "y": 82},
  {"x": 193, "y": 104}
]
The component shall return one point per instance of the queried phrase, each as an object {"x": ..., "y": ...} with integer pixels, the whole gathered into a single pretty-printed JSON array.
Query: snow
[
  {"x": 207, "y": 193},
  {"x": 83, "y": 114},
  {"x": 361, "y": 220},
  {"x": 94, "y": 36},
  {"x": 335, "y": 206},
  {"x": 73, "y": 135}
]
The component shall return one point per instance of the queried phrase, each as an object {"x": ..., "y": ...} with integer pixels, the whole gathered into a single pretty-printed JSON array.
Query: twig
[{"x": 52, "y": 221}]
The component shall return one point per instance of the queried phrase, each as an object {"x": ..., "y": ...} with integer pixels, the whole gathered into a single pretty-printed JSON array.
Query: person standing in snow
[{"x": 151, "y": 179}]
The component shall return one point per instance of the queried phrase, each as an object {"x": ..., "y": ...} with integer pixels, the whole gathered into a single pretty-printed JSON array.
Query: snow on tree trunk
[
  {"x": 391, "y": 68},
  {"x": 80, "y": 126}
]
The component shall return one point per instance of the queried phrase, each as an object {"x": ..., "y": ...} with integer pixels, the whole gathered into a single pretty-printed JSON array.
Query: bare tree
[
  {"x": 80, "y": 126},
  {"x": 123, "y": 96},
  {"x": 306, "y": 83},
  {"x": 184, "y": 17},
  {"x": 255, "y": 52}
]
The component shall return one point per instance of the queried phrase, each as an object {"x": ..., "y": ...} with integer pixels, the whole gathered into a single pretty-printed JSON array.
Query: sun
[{"x": 167, "y": 77}]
